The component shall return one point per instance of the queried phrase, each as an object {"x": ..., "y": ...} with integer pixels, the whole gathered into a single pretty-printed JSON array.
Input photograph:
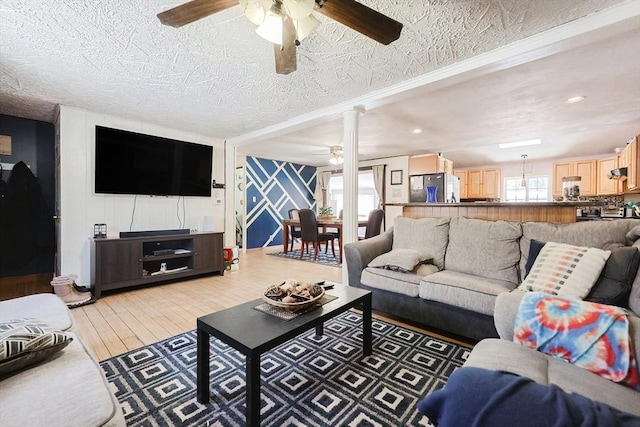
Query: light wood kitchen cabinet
[
  {"x": 608, "y": 186},
  {"x": 483, "y": 184},
  {"x": 429, "y": 163},
  {"x": 585, "y": 169},
  {"x": 463, "y": 183},
  {"x": 630, "y": 159}
]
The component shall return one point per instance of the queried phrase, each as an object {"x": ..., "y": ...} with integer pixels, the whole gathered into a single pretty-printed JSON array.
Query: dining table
[{"x": 325, "y": 223}]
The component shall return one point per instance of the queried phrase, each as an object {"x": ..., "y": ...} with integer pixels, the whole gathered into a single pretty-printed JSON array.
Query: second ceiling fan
[{"x": 286, "y": 22}]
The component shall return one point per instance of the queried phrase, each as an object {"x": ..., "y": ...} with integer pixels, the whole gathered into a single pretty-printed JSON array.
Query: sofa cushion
[
  {"x": 614, "y": 284},
  {"x": 69, "y": 389},
  {"x": 392, "y": 281},
  {"x": 463, "y": 290},
  {"x": 429, "y": 236},
  {"x": 46, "y": 307},
  {"x": 588, "y": 233},
  {"x": 502, "y": 355},
  {"x": 25, "y": 342},
  {"x": 399, "y": 259},
  {"x": 566, "y": 270},
  {"x": 482, "y": 248}
]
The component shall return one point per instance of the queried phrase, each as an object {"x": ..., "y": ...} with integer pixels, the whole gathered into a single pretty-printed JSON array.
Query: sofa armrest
[
  {"x": 359, "y": 254},
  {"x": 504, "y": 315}
]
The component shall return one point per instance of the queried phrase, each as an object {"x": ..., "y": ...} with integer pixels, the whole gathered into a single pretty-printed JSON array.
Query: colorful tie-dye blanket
[{"x": 592, "y": 336}]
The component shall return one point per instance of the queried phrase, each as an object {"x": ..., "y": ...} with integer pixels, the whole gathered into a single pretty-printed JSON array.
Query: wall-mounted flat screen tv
[{"x": 133, "y": 163}]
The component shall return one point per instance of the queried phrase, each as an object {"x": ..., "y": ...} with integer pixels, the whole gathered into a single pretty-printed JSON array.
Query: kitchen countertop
[{"x": 502, "y": 204}]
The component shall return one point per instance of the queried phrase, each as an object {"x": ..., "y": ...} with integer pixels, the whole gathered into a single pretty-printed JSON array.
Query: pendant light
[{"x": 523, "y": 183}]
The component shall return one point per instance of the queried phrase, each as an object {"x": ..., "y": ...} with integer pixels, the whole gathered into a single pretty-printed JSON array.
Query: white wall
[
  {"x": 81, "y": 208},
  {"x": 394, "y": 193}
]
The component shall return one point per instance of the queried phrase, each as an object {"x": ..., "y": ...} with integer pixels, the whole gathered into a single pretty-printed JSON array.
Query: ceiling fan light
[
  {"x": 271, "y": 28},
  {"x": 305, "y": 26},
  {"x": 334, "y": 160},
  {"x": 298, "y": 9},
  {"x": 254, "y": 10}
]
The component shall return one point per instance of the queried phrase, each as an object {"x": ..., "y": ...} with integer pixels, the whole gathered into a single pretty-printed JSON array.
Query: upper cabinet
[
  {"x": 483, "y": 184},
  {"x": 429, "y": 163},
  {"x": 608, "y": 186},
  {"x": 463, "y": 182},
  {"x": 585, "y": 169},
  {"x": 630, "y": 159}
]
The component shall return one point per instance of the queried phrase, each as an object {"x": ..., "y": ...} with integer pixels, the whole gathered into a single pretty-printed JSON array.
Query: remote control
[{"x": 319, "y": 282}]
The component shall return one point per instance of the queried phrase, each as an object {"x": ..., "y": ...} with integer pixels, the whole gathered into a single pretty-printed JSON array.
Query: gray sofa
[
  {"x": 505, "y": 355},
  {"x": 473, "y": 261},
  {"x": 68, "y": 388}
]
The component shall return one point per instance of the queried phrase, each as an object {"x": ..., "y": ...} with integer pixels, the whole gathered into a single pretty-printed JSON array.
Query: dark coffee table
[{"x": 253, "y": 332}]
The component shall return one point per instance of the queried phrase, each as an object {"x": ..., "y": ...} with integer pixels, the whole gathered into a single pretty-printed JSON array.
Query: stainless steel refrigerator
[{"x": 434, "y": 188}]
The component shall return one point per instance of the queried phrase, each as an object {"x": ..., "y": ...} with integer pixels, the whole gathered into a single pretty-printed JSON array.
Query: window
[
  {"x": 367, "y": 197},
  {"x": 537, "y": 189}
]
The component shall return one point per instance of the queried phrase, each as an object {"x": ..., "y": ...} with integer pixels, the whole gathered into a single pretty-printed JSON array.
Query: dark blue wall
[
  {"x": 33, "y": 142},
  {"x": 276, "y": 187}
]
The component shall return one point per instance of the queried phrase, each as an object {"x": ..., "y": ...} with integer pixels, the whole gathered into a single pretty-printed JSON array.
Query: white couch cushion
[
  {"x": 70, "y": 389},
  {"x": 46, "y": 307}
]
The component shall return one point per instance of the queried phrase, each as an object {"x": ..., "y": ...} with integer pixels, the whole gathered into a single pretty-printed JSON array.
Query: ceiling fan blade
[
  {"x": 193, "y": 10},
  {"x": 286, "y": 58},
  {"x": 363, "y": 19}
]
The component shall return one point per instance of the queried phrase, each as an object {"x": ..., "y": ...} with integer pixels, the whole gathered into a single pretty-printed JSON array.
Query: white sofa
[{"x": 67, "y": 389}]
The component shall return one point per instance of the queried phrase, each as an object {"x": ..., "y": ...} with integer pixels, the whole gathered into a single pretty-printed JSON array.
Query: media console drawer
[{"x": 132, "y": 261}]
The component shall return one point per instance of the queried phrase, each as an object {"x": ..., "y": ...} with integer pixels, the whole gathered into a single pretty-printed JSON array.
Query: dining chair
[
  {"x": 310, "y": 233},
  {"x": 374, "y": 224},
  {"x": 294, "y": 231},
  {"x": 334, "y": 230}
]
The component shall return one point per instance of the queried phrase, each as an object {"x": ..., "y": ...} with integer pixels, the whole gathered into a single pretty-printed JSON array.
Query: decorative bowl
[{"x": 291, "y": 295}]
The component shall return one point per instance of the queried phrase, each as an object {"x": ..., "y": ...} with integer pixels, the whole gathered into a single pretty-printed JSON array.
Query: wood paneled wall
[{"x": 507, "y": 213}]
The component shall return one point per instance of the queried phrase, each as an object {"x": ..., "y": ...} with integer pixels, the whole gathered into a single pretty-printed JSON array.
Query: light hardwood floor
[{"x": 122, "y": 321}]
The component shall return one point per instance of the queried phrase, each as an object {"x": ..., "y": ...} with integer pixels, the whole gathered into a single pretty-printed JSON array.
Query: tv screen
[{"x": 133, "y": 163}]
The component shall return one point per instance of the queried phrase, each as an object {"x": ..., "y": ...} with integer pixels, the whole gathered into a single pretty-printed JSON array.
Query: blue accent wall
[{"x": 277, "y": 187}]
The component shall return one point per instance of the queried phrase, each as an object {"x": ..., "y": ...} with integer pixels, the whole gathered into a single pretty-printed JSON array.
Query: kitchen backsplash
[{"x": 610, "y": 201}]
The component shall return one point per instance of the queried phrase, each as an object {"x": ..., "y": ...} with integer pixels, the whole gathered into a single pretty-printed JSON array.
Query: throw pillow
[
  {"x": 24, "y": 342},
  {"x": 566, "y": 270},
  {"x": 403, "y": 260},
  {"x": 614, "y": 284},
  {"x": 535, "y": 247}
]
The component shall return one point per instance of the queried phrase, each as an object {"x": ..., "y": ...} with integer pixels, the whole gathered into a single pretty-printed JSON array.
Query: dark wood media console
[{"x": 125, "y": 262}]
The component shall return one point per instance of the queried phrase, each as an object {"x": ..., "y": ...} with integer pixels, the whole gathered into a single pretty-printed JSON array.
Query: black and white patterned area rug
[
  {"x": 308, "y": 381},
  {"x": 323, "y": 258}
]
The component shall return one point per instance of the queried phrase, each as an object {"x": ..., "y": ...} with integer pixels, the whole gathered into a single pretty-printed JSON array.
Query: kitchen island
[{"x": 540, "y": 212}]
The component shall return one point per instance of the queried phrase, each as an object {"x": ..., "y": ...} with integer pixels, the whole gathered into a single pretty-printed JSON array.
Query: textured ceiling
[{"x": 216, "y": 76}]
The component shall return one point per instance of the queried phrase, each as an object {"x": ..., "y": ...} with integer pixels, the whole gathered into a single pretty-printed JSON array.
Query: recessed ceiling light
[
  {"x": 520, "y": 143},
  {"x": 575, "y": 99},
  {"x": 416, "y": 131}
]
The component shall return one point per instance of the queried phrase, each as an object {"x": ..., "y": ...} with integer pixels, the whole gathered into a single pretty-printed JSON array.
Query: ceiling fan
[
  {"x": 285, "y": 23},
  {"x": 336, "y": 154}
]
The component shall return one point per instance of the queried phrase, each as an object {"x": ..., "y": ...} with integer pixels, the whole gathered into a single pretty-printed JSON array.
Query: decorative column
[{"x": 350, "y": 181}]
